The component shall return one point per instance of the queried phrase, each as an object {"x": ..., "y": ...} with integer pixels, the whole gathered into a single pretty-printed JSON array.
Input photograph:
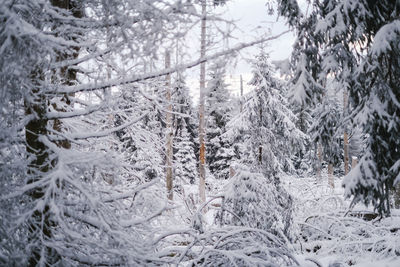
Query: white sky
[{"x": 253, "y": 20}]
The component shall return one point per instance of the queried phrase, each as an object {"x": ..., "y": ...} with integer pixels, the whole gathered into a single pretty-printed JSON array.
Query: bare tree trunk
[
  {"x": 331, "y": 180},
  {"x": 202, "y": 170},
  {"x": 241, "y": 94},
  {"x": 169, "y": 150},
  {"x": 260, "y": 148},
  {"x": 232, "y": 172},
  {"x": 346, "y": 152},
  {"x": 319, "y": 153},
  {"x": 396, "y": 196},
  {"x": 345, "y": 136},
  {"x": 354, "y": 162}
]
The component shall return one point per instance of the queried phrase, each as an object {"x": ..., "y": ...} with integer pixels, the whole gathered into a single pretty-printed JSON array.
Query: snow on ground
[{"x": 328, "y": 234}]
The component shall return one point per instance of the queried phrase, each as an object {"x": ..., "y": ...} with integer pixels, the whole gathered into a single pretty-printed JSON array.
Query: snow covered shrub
[
  {"x": 255, "y": 201},
  {"x": 242, "y": 246},
  {"x": 351, "y": 237}
]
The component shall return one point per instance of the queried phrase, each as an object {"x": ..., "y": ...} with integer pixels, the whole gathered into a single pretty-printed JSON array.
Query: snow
[
  {"x": 338, "y": 238},
  {"x": 386, "y": 38},
  {"x": 83, "y": 124}
]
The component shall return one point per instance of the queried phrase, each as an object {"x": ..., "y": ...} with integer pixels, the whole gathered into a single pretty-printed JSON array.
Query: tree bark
[
  {"x": 331, "y": 180},
  {"x": 354, "y": 162},
  {"x": 41, "y": 224},
  {"x": 396, "y": 196},
  {"x": 319, "y": 154},
  {"x": 169, "y": 143},
  {"x": 345, "y": 136},
  {"x": 241, "y": 94},
  {"x": 346, "y": 152},
  {"x": 202, "y": 171}
]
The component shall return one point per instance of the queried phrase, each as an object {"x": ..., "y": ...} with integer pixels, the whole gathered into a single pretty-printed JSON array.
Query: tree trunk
[
  {"x": 345, "y": 136},
  {"x": 331, "y": 180},
  {"x": 232, "y": 172},
  {"x": 41, "y": 224},
  {"x": 346, "y": 152},
  {"x": 202, "y": 170},
  {"x": 354, "y": 162},
  {"x": 396, "y": 196},
  {"x": 169, "y": 150},
  {"x": 241, "y": 94},
  {"x": 319, "y": 165}
]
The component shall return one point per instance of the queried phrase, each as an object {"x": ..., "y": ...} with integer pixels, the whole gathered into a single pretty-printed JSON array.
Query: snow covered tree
[
  {"x": 256, "y": 203},
  {"x": 360, "y": 42},
  {"x": 253, "y": 200},
  {"x": 185, "y": 135},
  {"x": 270, "y": 124},
  {"x": 141, "y": 143},
  {"x": 56, "y": 208},
  {"x": 218, "y": 108},
  {"x": 185, "y": 160},
  {"x": 379, "y": 113},
  {"x": 305, "y": 87},
  {"x": 186, "y": 116},
  {"x": 325, "y": 131}
]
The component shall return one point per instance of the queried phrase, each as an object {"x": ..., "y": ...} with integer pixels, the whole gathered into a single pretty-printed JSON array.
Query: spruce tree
[
  {"x": 220, "y": 151},
  {"x": 185, "y": 159},
  {"x": 360, "y": 39},
  {"x": 269, "y": 123},
  {"x": 184, "y": 131},
  {"x": 325, "y": 131}
]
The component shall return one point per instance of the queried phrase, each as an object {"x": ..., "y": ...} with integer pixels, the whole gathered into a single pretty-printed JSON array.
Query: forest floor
[
  {"x": 331, "y": 235},
  {"x": 327, "y": 233}
]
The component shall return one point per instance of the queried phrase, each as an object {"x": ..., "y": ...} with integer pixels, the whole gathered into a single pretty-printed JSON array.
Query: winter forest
[{"x": 124, "y": 140}]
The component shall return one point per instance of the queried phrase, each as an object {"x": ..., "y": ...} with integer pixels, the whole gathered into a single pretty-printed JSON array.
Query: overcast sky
[{"x": 254, "y": 20}]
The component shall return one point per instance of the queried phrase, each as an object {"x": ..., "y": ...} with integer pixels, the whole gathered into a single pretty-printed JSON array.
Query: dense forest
[{"x": 108, "y": 159}]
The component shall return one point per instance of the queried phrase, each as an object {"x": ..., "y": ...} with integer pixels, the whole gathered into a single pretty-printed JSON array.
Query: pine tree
[
  {"x": 305, "y": 87},
  {"x": 185, "y": 159},
  {"x": 185, "y": 135},
  {"x": 220, "y": 150},
  {"x": 186, "y": 115},
  {"x": 360, "y": 42},
  {"x": 254, "y": 200},
  {"x": 325, "y": 131},
  {"x": 256, "y": 204},
  {"x": 269, "y": 123},
  {"x": 141, "y": 143}
]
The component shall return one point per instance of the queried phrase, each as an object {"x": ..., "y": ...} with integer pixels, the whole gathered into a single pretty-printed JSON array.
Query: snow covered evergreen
[
  {"x": 83, "y": 117},
  {"x": 184, "y": 135},
  {"x": 269, "y": 123},
  {"x": 218, "y": 107},
  {"x": 325, "y": 129},
  {"x": 359, "y": 39}
]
